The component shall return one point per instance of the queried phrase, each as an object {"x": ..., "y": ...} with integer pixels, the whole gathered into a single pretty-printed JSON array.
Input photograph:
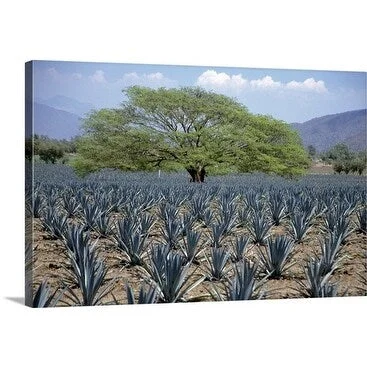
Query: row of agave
[
  {"x": 206, "y": 227},
  {"x": 168, "y": 264},
  {"x": 278, "y": 201},
  {"x": 220, "y": 222}
]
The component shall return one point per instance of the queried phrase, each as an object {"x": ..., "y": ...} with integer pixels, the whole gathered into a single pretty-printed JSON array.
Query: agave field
[{"x": 118, "y": 238}]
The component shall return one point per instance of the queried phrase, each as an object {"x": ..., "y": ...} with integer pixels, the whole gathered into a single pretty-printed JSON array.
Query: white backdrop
[{"x": 279, "y": 34}]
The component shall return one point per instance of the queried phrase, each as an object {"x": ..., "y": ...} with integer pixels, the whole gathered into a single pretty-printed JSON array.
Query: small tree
[
  {"x": 50, "y": 154},
  {"x": 311, "y": 151},
  {"x": 339, "y": 152},
  {"x": 338, "y": 167}
]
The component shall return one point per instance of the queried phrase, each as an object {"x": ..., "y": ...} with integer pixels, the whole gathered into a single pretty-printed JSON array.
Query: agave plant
[
  {"x": 255, "y": 201},
  {"x": 198, "y": 204},
  {"x": 290, "y": 204},
  {"x": 54, "y": 223},
  {"x": 75, "y": 239},
  {"x": 277, "y": 208},
  {"x": 90, "y": 214},
  {"x": 103, "y": 200},
  {"x": 52, "y": 199},
  {"x": 70, "y": 205},
  {"x": 228, "y": 219},
  {"x": 190, "y": 246},
  {"x": 330, "y": 249},
  {"x": 146, "y": 223},
  {"x": 117, "y": 200},
  {"x": 217, "y": 264},
  {"x": 186, "y": 223},
  {"x": 239, "y": 248},
  {"x": 327, "y": 198},
  {"x": 330, "y": 220},
  {"x": 317, "y": 283},
  {"x": 131, "y": 241},
  {"x": 242, "y": 286},
  {"x": 173, "y": 197},
  {"x": 170, "y": 274},
  {"x": 207, "y": 217},
  {"x": 300, "y": 225},
  {"x": 344, "y": 208},
  {"x": 89, "y": 272},
  {"x": 103, "y": 224},
  {"x": 44, "y": 297},
  {"x": 82, "y": 198},
  {"x": 226, "y": 200},
  {"x": 306, "y": 207},
  {"x": 217, "y": 234},
  {"x": 343, "y": 229},
  {"x": 168, "y": 212},
  {"x": 171, "y": 232},
  {"x": 362, "y": 220},
  {"x": 38, "y": 205},
  {"x": 277, "y": 255},
  {"x": 148, "y": 294},
  {"x": 243, "y": 216},
  {"x": 259, "y": 227}
]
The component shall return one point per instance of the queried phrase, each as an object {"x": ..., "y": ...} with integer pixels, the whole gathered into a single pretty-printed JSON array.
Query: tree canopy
[
  {"x": 48, "y": 150},
  {"x": 187, "y": 128},
  {"x": 344, "y": 160}
]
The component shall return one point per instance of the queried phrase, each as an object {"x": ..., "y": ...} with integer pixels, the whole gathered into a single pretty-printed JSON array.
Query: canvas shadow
[{"x": 19, "y": 300}]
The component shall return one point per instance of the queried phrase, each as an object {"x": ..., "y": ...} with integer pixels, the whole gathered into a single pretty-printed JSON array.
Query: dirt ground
[{"x": 51, "y": 263}]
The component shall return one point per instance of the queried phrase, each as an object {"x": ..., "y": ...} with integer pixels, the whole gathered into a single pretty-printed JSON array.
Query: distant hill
[
  {"x": 54, "y": 123},
  {"x": 67, "y": 104},
  {"x": 326, "y": 131}
]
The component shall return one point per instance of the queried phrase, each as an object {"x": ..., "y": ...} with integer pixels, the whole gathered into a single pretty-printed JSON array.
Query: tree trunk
[{"x": 196, "y": 174}]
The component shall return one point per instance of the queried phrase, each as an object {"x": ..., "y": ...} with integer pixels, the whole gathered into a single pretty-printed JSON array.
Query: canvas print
[{"x": 150, "y": 184}]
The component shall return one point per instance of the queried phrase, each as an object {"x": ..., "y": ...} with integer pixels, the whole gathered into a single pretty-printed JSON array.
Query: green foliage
[
  {"x": 311, "y": 150},
  {"x": 48, "y": 150},
  {"x": 339, "y": 152},
  {"x": 187, "y": 129},
  {"x": 344, "y": 160}
]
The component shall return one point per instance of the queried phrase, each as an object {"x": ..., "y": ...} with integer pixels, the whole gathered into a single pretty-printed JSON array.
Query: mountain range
[
  {"x": 54, "y": 123},
  {"x": 67, "y": 104},
  {"x": 326, "y": 131},
  {"x": 60, "y": 117}
]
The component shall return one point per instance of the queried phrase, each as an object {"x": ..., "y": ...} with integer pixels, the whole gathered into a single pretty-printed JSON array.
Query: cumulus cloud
[
  {"x": 309, "y": 84},
  {"x": 224, "y": 82},
  {"x": 98, "y": 77},
  {"x": 61, "y": 77},
  {"x": 152, "y": 79},
  {"x": 266, "y": 82}
]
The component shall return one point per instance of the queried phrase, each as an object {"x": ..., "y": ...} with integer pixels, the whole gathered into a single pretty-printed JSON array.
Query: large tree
[{"x": 187, "y": 128}]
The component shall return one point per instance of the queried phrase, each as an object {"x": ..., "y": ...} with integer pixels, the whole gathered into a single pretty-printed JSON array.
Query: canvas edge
[{"x": 28, "y": 187}]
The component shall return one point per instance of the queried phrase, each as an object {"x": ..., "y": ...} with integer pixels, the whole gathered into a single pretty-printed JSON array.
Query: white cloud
[
  {"x": 224, "y": 82},
  {"x": 309, "y": 84},
  {"x": 152, "y": 79},
  {"x": 61, "y": 77},
  {"x": 98, "y": 77},
  {"x": 155, "y": 76},
  {"x": 266, "y": 82}
]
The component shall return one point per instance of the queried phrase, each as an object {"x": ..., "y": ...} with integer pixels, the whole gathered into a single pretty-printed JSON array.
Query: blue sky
[{"x": 289, "y": 95}]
